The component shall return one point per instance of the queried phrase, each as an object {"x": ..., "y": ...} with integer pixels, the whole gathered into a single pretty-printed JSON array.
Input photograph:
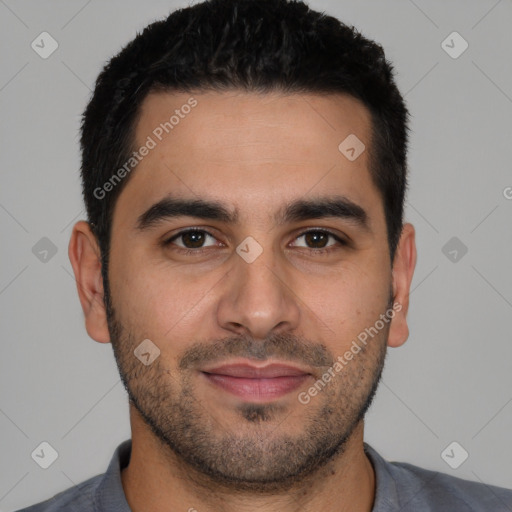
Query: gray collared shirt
[{"x": 399, "y": 487}]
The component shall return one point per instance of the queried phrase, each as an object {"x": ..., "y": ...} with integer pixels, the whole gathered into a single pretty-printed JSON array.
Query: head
[{"x": 251, "y": 121}]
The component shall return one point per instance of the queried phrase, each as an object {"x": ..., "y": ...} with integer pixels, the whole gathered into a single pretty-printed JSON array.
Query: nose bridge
[{"x": 258, "y": 298}]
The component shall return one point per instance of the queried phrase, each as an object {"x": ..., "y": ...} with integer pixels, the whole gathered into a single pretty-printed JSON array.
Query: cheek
[
  {"x": 161, "y": 303},
  {"x": 347, "y": 302}
]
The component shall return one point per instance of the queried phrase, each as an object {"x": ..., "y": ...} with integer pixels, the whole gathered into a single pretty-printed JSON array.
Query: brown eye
[
  {"x": 193, "y": 239},
  {"x": 190, "y": 239},
  {"x": 317, "y": 240}
]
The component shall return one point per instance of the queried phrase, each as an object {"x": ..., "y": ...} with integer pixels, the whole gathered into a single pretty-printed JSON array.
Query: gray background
[{"x": 452, "y": 380}]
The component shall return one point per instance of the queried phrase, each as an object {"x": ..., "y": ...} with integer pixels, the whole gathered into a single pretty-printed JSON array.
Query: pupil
[
  {"x": 314, "y": 237},
  {"x": 196, "y": 239}
]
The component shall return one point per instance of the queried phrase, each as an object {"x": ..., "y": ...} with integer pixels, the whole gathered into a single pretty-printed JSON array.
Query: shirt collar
[
  {"x": 386, "y": 493},
  {"x": 110, "y": 493}
]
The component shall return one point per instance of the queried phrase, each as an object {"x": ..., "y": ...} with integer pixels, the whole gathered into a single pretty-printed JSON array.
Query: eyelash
[{"x": 190, "y": 252}]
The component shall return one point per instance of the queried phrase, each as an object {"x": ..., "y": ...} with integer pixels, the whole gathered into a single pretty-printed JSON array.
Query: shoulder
[
  {"x": 75, "y": 499},
  {"x": 102, "y": 492},
  {"x": 405, "y": 487},
  {"x": 446, "y": 492}
]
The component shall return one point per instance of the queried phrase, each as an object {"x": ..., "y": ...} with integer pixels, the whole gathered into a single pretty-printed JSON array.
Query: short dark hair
[{"x": 247, "y": 45}]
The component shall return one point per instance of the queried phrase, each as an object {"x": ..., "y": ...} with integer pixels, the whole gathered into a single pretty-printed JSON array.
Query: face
[{"x": 287, "y": 266}]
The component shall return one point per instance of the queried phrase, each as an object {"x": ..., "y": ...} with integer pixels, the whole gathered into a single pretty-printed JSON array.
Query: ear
[
  {"x": 85, "y": 257},
  {"x": 403, "y": 270}
]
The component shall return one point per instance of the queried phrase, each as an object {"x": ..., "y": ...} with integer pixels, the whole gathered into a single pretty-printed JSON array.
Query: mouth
[{"x": 257, "y": 383}]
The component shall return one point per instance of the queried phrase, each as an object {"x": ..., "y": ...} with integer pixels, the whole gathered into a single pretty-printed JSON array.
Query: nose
[{"x": 258, "y": 299}]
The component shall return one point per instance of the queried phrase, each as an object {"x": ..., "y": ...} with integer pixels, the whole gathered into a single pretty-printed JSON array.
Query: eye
[
  {"x": 190, "y": 239},
  {"x": 193, "y": 240},
  {"x": 317, "y": 240}
]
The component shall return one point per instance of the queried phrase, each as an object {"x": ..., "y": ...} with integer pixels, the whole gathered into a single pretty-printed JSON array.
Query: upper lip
[{"x": 254, "y": 372}]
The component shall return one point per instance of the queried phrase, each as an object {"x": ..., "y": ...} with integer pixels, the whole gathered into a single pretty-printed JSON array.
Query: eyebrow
[{"x": 299, "y": 210}]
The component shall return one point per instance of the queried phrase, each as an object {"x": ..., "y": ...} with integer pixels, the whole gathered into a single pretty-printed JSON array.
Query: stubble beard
[{"x": 256, "y": 454}]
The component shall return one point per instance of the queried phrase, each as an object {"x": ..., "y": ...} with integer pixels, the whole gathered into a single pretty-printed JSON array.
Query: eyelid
[
  {"x": 342, "y": 240},
  {"x": 199, "y": 229}
]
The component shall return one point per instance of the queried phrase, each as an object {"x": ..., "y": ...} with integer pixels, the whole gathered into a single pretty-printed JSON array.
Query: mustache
[{"x": 283, "y": 346}]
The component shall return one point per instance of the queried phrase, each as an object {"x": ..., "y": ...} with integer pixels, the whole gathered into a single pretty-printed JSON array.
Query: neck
[{"x": 157, "y": 479}]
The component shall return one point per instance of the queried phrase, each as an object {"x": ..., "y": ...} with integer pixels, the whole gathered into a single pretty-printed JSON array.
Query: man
[{"x": 244, "y": 173}]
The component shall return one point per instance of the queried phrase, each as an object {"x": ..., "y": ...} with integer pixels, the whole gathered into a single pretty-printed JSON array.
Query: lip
[
  {"x": 251, "y": 371},
  {"x": 256, "y": 383}
]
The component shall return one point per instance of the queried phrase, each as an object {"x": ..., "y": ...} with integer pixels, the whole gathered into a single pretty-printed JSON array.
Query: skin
[{"x": 253, "y": 153}]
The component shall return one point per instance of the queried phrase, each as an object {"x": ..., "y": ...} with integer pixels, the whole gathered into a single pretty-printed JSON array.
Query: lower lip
[{"x": 257, "y": 390}]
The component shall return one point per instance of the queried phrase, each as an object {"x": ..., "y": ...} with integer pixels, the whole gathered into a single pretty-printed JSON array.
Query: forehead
[{"x": 251, "y": 151}]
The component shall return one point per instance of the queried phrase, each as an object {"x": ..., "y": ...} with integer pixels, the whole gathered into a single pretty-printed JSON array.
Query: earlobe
[
  {"x": 84, "y": 255},
  {"x": 403, "y": 271}
]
